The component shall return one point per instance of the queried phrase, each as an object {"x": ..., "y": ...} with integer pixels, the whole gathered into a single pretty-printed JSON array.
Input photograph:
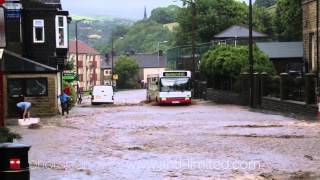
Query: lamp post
[
  {"x": 163, "y": 42},
  {"x": 112, "y": 63},
  {"x": 77, "y": 53},
  {"x": 112, "y": 58},
  {"x": 251, "y": 54}
]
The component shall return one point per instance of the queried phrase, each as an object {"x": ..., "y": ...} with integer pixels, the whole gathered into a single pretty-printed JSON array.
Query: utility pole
[
  {"x": 251, "y": 54},
  {"x": 193, "y": 4},
  {"x": 77, "y": 52}
]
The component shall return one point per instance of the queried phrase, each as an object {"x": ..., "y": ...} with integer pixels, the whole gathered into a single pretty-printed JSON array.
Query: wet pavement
[{"x": 132, "y": 140}]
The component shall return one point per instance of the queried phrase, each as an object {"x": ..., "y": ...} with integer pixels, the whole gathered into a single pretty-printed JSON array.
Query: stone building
[
  {"x": 33, "y": 60},
  {"x": 89, "y": 64},
  {"x": 310, "y": 34}
]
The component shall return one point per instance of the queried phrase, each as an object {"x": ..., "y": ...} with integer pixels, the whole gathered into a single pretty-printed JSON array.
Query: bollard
[
  {"x": 245, "y": 88},
  {"x": 264, "y": 86},
  {"x": 310, "y": 92},
  {"x": 14, "y": 163},
  {"x": 284, "y": 89}
]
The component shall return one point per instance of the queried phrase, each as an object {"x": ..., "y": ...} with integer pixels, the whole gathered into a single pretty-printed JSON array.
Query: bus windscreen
[{"x": 175, "y": 84}]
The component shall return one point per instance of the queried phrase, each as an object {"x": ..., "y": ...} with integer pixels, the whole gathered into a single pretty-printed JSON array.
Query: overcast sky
[{"x": 132, "y": 9}]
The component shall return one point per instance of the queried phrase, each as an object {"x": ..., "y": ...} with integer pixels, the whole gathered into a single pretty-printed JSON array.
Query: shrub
[{"x": 230, "y": 61}]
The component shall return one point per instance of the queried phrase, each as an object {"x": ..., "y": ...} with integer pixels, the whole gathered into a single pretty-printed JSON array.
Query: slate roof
[
  {"x": 279, "y": 50},
  {"x": 144, "y": 60},
  {"x": 239, "y": 32},
  {"x": 83, "y": 48}
]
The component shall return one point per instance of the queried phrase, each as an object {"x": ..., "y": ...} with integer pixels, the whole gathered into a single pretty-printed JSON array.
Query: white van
[{"x": 102, "y": 94}]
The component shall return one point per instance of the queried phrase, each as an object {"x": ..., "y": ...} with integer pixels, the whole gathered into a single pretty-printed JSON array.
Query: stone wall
[
  {"x": 287, "y": 106},
  {"x": 226, "y": 97},
  {"x": 43, "y": 105},
  {"x": 309, "y": 28}
]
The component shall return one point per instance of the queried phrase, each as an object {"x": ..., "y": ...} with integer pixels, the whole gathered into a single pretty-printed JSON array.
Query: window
[
  {"x": 36, "y": 87},
  {"x": 15, "y": 87},
  {"x": 38, "y": 31},
  {"x": 28, "y": 87},
  {"x": 61, "y": 32}
]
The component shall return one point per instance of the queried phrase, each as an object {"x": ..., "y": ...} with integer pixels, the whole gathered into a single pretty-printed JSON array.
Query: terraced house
[
  {"x": 310, "y": 26},
  {"x": 33, "y": 60}
]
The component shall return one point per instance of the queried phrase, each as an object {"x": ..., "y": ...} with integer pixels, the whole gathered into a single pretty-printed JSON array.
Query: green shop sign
[{"x": 69, "y": 76}]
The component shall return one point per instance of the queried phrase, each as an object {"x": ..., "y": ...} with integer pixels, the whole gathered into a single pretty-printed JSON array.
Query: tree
[
  {"x": 165, "y": 15},
  {"x": 262, "y": 21},
  {"x": 213, "y": 16},
  {"x": 265, "y": 3},
  {"x": 227, "y": 62},
  {"x": 288, "y": 20},
  {"x": 127, "y": 70},
  {"x": 143, "y": 36}
]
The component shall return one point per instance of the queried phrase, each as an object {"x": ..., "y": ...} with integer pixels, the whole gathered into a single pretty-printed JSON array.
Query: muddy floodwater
[{"x": 132, "y": 140}]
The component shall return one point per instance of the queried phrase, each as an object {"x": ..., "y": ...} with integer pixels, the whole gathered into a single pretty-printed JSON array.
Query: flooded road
[{"x": 145, "y": 141}]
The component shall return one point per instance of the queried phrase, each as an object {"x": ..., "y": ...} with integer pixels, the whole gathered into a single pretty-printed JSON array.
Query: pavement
[{"x": 133, "y": 140}]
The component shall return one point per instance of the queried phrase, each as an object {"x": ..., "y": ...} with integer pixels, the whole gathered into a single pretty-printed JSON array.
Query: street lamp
[
  {"x": 163, "y": 42},
  {"x": 77, "y": 63},
  {"x": 112, "y": 61},
  {"x": 251, "y": 54}
]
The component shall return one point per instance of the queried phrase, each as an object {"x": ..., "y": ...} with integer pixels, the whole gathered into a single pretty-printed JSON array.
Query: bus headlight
[
  {"x": 163, "y": 99},
  {"x": 187, "y": 99}
]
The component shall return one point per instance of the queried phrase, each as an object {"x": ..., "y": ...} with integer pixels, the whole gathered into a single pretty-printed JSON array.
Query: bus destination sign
[{"x": 175, "y": 74}]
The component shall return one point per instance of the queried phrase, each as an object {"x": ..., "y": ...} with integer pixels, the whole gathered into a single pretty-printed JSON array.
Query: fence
[
  {"x": 177, "y": 55},
  {"x": 284, "y": 93}
]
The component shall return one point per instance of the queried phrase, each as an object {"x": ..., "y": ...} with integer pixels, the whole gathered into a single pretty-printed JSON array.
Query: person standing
[
  {"x": 67, "y": 90},
  {"x": 24, "y": 109},
  {"x": 64, "y": 100},
  {"x": 79, "y": 93}
]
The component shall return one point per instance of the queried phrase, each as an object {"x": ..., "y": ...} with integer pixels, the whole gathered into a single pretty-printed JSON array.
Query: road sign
[{"x": 115, "y": 77}]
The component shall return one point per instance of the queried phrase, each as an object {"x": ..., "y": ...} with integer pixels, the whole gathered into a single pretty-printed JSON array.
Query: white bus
[{"x": 170, "y": 87}]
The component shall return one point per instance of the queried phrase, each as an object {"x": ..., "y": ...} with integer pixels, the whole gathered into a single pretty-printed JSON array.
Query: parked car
[{"x": 102, "y": 95}]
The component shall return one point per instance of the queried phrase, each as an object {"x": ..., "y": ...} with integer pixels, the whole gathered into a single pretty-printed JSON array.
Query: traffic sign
[{"x": 115, "y": 77}]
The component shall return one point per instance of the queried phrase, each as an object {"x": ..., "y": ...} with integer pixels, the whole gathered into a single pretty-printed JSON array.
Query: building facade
[
  {"x": 310, "y": 34},
  {"x": 89, "y": 64},
  {"x": 33, "y": 60}
]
